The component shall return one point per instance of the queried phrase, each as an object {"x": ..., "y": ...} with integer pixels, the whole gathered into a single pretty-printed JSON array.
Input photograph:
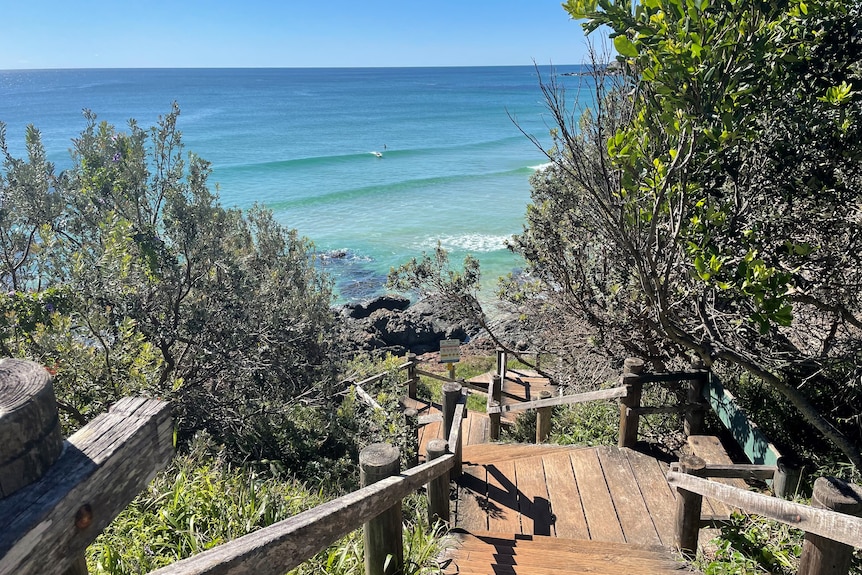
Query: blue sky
[{"x": 289, "y": 33}]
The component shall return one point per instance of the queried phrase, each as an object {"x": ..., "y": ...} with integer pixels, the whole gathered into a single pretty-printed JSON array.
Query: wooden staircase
[{"x": 496, "y": 554}]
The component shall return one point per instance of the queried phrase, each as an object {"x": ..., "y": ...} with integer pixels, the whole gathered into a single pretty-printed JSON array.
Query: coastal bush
[
  {"x": 707, "y": 202},
  {"x": 125, "y": 275}
]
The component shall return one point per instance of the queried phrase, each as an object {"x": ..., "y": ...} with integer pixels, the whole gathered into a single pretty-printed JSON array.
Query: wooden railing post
[
  {"x": 495, "y": 392},
  {"x": 693, "y": 424},
  {"x": 30, "y": 438},
  {"x": 822, "y": 556},
  {"x": 494, "y": 421},
  {"x": 543, "y": 419},
  {"x": 412, "y": 378},
  {"x": 411, "y": 439},
  {"x": 501, "y": 363},
  {"x": 495, "y": 399},
  {"x": 688, "y": 508},
  {"x": 384, "y": 548},
  {"x": 629, "y": 418},
  {"x": 787, "y": 478},
  {"x": 451, "y": 397},
  {"x": 438, "y": 488}
]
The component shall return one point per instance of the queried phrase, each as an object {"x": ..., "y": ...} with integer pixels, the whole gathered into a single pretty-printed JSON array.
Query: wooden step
[
  {"x": 493, "y": 452},
  {"x": 532, "y": 554},
  {"x": 525, "y": 543}
]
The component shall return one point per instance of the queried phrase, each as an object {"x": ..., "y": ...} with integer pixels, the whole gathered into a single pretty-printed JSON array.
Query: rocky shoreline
[{"x": 389, "y": 323}]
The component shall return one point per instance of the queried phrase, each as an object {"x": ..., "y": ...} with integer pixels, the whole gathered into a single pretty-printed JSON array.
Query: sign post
[{"x": 450, "y": 353}]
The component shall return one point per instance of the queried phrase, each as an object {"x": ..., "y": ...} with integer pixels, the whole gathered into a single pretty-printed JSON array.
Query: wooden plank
[
  {"x": 544, "y": 563},
  {"x": 430, "y": 418},
  {"x": 709, "y": 448},
  {"x": 829, "y": 524},
  {"x": 534, "y": 504},
  {"x": 612, "y": 393},
  {"x": 476, "y": 428},
  {"x": 282, "y": 546},
  {"x": 531, "y": 554},
  {"x": 660, "y": 499},
  {"x": 565, "y": 497},
  {"x": 599, "y": 510},
  {"x": 757, "y": 447},
  {"x": 472, "y": 499},
  {"x": 737, "y": 471},
  {"x": 524, "y": 543},
  {"x": 502, "y": 501},
  {"x": 493, "y": 452},
  {"x": 105, "y": 465},
  {"x": 632, "y": 512}
]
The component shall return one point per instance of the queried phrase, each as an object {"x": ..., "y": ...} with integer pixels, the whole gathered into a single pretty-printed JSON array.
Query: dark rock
[
  {"x": 364, "y": 309},
  {"x": 387, "y": 324}
]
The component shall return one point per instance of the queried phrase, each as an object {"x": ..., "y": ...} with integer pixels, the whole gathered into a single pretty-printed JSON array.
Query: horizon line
[{"x": 91, "y": 68}]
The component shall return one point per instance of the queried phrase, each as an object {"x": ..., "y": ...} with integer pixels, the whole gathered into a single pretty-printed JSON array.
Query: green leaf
[{"x": 625, "y": 47}]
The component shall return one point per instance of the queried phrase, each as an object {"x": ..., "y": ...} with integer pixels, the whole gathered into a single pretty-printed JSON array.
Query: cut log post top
[
  {"x": 50, "y": 522},
  {"x": 30, "y": 436}
]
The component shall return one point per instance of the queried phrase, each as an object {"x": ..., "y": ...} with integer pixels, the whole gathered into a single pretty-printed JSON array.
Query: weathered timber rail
[
  {"x": 49, "y": 522},
  {"x": 831, "y": 524},
  {"x": 103, "y": 466}
]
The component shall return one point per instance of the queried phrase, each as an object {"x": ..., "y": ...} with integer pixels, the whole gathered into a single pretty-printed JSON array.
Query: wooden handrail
[
  {"x": 372, "y": 379},
  {"x": 103, "y": 467},
  {"x": 377, "y": 377},
  {"x": 282, "y": 546},
  {"x": 612, "y": 393},
  {"x": 825, "y": 523},
  {"x": 437, "y": 376},
  {"x": 736, "y": 471}
]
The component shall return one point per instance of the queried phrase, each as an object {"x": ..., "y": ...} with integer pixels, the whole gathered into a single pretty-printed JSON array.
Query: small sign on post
[{"x": 450, "y": 351}]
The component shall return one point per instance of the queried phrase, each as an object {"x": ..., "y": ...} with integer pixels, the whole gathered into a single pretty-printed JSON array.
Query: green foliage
[
  {"x": 125, "y": 275},
  {"x": 753, "y": 545},
  {"x": 708, "y": 202},
  {"x": 367, "y": 425},
  {"x": 592, "y": 423},
  {"x": 195, "y": 504}
]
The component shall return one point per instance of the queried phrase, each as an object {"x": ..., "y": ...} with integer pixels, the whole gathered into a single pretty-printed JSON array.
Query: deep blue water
[{"x": 454, "y": 167}]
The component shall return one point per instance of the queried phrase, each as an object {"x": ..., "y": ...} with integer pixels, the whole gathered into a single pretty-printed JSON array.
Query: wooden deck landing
[
  {"x": 600, "y": 493},
  {"x": 594, "y": 493}
]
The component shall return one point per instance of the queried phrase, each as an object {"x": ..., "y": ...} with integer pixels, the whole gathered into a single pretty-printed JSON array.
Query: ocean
[{"x": 374, "y": 165}]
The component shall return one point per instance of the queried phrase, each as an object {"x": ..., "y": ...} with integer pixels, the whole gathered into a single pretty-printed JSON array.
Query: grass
[{"x": 199, "y": 502}]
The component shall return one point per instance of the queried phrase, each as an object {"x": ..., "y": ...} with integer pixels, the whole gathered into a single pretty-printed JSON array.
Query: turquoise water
[{"x": 453, "y": 167}]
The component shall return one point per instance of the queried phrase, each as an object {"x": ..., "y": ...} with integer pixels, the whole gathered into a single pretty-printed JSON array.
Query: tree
[
  {"x": 126, "y": 275},
  {"x": 709, "y": 203}
]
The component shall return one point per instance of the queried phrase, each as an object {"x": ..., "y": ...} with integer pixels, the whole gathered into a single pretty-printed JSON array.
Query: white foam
[
  {"x": 468, "y": 243},
  {"x": 541, "y": 167}
]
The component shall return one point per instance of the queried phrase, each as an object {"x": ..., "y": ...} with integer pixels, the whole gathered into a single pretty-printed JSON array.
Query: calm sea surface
[{"x": 454, "y": 168}]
